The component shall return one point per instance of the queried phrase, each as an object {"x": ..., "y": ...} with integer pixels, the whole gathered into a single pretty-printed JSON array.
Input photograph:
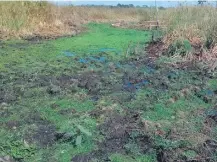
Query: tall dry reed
[{"x": 43, "y": 18}]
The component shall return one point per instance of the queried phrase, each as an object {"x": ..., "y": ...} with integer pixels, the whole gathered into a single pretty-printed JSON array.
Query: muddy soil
[
  {"x": 38, "y": 37},
  {"x": 120, "y": 132},
  {"x": 118, "y": 81}
]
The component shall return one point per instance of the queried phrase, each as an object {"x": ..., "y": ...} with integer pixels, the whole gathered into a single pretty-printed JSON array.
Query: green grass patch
[
  {"x": 103, "y": 38},
  {"x": 125, "y": 158},
  {"x": 68, "y": 116},
  {"x": 212, "y": 84},
  {"x": 99, "y": 38}
]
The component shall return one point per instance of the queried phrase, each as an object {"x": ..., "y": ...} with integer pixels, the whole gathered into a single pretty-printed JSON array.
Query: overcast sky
[{"x": 135, "y": 3}]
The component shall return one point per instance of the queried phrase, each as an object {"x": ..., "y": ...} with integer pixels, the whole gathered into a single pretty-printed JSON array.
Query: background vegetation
[
  {"x": 26, "y": 18},
  {"x": 196, "y": 24}
]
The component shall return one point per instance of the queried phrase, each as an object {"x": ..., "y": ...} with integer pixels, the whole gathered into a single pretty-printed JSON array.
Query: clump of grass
[
  {"x": 190, "y": 22},
  {"x": 180, "y": 48},
  {"x": 26, "y": 18},
  {"x": 196, "y": 25}
]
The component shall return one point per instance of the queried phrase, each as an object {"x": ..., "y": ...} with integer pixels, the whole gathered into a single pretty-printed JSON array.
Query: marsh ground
[{"x": 104, "y": 95}]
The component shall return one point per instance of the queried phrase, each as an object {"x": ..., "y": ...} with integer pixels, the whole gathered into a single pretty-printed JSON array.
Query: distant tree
[
  {"x": 201, "y": 2},
  {"x": 125, "y": 6},
  {"x": 131, "y": 5},
  {"x": 161, "y": 8},
  {"x": 119, "y": 5}
]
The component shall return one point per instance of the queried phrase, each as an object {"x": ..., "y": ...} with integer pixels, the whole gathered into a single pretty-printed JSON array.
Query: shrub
[{"x": 179, "y": 47}]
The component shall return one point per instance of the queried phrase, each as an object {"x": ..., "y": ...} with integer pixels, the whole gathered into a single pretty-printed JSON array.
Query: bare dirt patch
[{"x": 120, "y": 132}]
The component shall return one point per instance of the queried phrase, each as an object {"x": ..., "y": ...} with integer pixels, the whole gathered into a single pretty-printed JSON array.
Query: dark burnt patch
[
  {"x": 36, "y": 38},
  {"x": 13, "y": 124},
  {"x": 120, "y": 132},
  {"x": 7, "y": 95},
  {"x": 91, "y": 81},
  {"x": 42, "y": 135},
  {"x": 155, "y": 48}
]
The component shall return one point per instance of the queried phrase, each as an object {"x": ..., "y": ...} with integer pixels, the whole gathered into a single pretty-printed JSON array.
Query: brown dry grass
[
  {"x": 26, "y": 18},
  {"x": 192, "y": 23},
  {"x": 18, "y": 19},
  {"x": 196, "y": 24}
]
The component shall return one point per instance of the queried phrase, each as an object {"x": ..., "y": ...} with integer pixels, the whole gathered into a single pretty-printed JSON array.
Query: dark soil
[
  {"x": 38, "y": 38},
  {"x": 120, "y": 80},
  {"x": 43, "y": 133},
  {"x": 155, "y": 49},
  {"x": 120, "y": 131}
]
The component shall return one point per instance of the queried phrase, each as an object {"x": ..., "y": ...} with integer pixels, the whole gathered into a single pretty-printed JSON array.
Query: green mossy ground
[{"x": 51, "y": 89}]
